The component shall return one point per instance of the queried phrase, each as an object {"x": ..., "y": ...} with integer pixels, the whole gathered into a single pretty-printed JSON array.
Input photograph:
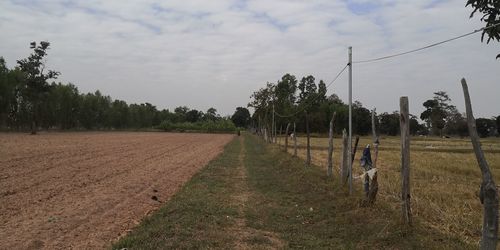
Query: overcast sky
[{"x": 216, "y": 53}]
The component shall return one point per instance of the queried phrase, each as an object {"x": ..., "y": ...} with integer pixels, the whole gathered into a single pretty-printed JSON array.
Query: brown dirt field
[{"x": 85, "y": 190}]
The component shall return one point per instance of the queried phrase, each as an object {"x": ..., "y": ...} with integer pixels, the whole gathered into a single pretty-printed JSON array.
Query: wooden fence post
[
  {"x": 280, "y": 136},
  {"x": 353, "y": 154},
  {"x": 404, "y": 121},
  {"x": 286, "y": 137},
  {"x": 371, "y": 196},
  {"x": 329, "y": 168},
  {"x": 294, "y": 140},
  {"x": 345, "y": 158},
  {"x": 308, "y": 150},
  {"x": 376, "y": 141},
  {"x": 488, "y": 193}
]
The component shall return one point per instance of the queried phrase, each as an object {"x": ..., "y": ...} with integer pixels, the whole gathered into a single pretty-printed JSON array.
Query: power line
[
  {"x": 426, "y": 47},
  {"x": 311, "y": 101}
]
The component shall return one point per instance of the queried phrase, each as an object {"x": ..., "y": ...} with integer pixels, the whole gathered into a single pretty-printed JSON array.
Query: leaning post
[{"x": 488, "y": 193}]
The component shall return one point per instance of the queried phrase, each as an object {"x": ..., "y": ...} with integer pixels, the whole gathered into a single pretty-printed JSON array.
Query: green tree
[
  {"x": 241, "y": 117},
  {"x": 10, "y": 83},
  {"x": 211, "y": 115},
  {"x": 361, "y": 119},
  {"x": 498, "y": 124},
  {"x": 485, "y": 127},
  {"x": 416, "y": 127},
  {"x": 456, "y": 124},
  {"x": 389, "y": 123},
  {"x": 491, "y": 15},
  {"x": 194, "y": 115},
  {"x": 119, "y": 114},
  {"x": 437, "y": 110},
  {"x": 180, "y": 114},
  {"x": 36, "y": 79},
  {"x": 308, "y": 90}
]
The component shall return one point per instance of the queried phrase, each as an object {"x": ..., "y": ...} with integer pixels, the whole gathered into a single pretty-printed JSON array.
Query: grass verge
[{"x": 197, "y": 216}]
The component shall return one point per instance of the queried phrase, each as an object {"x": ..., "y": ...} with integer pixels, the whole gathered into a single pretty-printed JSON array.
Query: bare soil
[{"x": 85, "y": 190}]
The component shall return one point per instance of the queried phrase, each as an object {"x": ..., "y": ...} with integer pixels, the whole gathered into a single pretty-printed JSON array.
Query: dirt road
[{"x": 85, "y": 190}]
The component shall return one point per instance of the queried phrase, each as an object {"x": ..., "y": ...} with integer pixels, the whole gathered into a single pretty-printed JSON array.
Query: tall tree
[
  {"x": 193, "y": 115},
  {"x": 498, "y": 124},
  {"x": 36, "y": 79},
  {"x": 389, "y": 123},
  {"x": 485, "y": 127},
  {"x": 241, "y": 117},
  {"x": 491, "y": 15},
  {"x": 211, "y": 115},
  {"x": 437, "y": 110}
]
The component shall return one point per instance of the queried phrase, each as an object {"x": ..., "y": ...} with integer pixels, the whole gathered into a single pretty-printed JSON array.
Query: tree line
[
  {"x": 28, "y": 101},
  {"x": 292, "y": 99}
]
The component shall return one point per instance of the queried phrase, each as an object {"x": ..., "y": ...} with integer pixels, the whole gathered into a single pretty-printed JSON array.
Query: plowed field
[{"x": 85, "y": 190}]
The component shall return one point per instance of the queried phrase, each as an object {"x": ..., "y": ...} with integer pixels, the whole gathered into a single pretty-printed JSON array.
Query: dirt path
[
  {"x": 242, "y": 233},
  {"x": 84, "y": 190}
]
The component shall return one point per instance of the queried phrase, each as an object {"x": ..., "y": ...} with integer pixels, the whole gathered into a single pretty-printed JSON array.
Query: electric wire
[{"x": 426, "y": 47}]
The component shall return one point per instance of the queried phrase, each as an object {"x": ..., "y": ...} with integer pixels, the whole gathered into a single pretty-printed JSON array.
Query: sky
[{"x": 216, "y": 53}]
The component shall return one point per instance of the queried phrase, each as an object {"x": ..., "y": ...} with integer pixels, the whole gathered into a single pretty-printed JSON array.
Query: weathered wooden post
[
  {"x": 280, "y": 136},
  {"x": 488, "y": 193},
  {"x": 273, "y": 126},
  {"x": 404, "y": 121},
  {"x": 371, "y": 196},
  {"x": 375, "y": 140},
  {"x": 294, "y": 140},
  {"x": 286, "y": 137},
  {"x": 329, "y": 168},
  {"x": 308, "y": 150},
  {"x": 353, "y": 154},
  {"x": 344, "y": 171}
]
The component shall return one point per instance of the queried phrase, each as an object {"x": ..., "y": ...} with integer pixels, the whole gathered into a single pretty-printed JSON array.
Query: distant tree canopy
[
  {"x": 439, "y": 114},
  {"x": 490, "y": 11},
  {"x": 290, "y": 98},
  {"x": 485, "y": 127},
  {"x": 241, "y": 117},
  {"x": 498, "y": 124},
  {"x": 28, "y": 101}
]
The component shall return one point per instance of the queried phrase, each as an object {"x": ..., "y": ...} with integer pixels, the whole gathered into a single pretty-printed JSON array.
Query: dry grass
[{"x": 445, "y": 179}]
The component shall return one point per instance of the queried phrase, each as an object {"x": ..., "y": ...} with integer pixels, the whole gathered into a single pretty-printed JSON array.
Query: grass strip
[{"x": 197, "y": 215}]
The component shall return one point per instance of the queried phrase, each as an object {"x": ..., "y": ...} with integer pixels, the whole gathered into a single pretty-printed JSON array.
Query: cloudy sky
[{"x": 216, "y": 53}]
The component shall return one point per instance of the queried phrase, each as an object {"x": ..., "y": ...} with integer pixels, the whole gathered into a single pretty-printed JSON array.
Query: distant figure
[{"x": 292, "y": 135}]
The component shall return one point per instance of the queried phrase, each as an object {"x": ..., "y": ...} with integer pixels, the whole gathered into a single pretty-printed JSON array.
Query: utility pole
[{"x": 350, "y": 119}]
